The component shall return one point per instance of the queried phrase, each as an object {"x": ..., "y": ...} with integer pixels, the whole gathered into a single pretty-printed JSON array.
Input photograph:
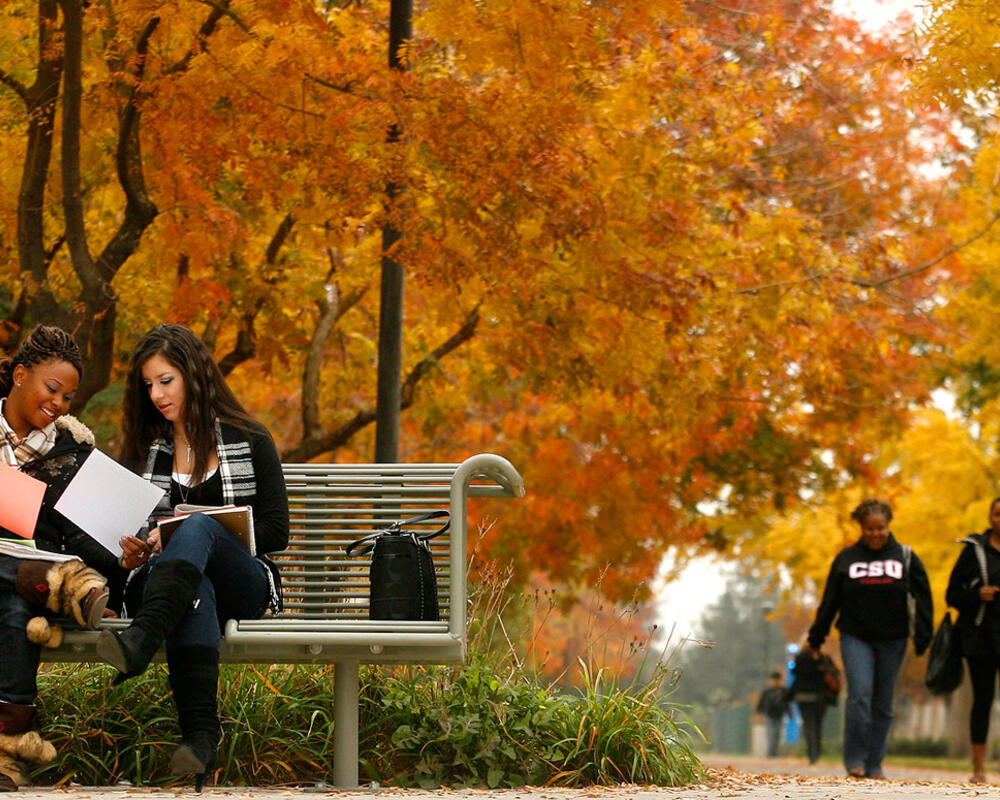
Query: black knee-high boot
[
  {"x": 194, "y": 679},
  {"x": 170, "y": 590}
]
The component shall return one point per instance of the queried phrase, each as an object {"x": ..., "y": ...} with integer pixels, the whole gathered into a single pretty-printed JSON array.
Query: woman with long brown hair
[{"x": 184, "y": 430}]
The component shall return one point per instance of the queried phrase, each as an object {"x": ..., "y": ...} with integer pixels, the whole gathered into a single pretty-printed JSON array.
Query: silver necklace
[{"x": 182, "y": 489}]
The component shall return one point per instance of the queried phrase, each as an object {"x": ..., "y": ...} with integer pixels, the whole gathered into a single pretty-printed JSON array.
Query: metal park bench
[{"x": 325, "y": 619}]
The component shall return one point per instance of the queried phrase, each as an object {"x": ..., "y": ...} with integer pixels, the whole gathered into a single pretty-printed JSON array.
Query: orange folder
[{"x": 20, "y": 501}]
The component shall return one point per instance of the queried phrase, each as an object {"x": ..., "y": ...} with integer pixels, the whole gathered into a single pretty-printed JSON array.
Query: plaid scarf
[
  {"x": 16, "y": 451},
  {"x": 235, "y": 468},
  {"x": 239, "y": 485}
]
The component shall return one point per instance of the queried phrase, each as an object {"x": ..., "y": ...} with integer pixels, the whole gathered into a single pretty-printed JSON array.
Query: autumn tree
[
  {"x": 666, "y": 256},
  {"x": 739, "y": 645}
]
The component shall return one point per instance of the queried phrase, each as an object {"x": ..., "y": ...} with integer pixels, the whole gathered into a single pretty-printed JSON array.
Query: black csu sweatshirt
[{"x": 868, "y": 590}]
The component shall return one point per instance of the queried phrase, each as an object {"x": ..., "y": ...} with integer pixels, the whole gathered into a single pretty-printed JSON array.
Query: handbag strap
[{"x": 364, "y": 545}]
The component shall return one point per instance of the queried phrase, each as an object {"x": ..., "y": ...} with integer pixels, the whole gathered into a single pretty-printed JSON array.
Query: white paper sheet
[{"x": 107, "y": 500}]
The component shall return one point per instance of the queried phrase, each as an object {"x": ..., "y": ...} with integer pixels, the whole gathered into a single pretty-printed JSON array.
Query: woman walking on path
[
  {"x": 974, "y": 595},
  {"x": 877, "y": 590},
  {"x": 185, "y": 431},
  {"x": 39, "y": 438}
]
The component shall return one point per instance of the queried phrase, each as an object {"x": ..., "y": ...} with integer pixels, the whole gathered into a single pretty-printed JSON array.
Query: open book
[
  {"x": 27, "y": 550},
  {"x": 238, "y": 520}
]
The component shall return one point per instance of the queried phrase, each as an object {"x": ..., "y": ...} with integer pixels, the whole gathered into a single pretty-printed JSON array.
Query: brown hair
[
  {"x": 207, "y": 398},
  {"x": 871, "y": 506}
]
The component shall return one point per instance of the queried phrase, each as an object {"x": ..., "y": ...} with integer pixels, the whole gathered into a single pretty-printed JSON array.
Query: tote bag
[{"x": 944, "y": 661}]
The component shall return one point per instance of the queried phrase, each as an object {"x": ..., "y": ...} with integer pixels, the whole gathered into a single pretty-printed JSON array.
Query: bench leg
[{"x": 345, "y": 725}]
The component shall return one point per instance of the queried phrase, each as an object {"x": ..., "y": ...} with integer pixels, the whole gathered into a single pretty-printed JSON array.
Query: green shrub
[
  {"x": 613, "y": 734},
  {"x": 490, "y": 722},
  {"x": 924, "y": 746},
  {"x": 464, "y": 726},
  {"x": 420, "y": 726},
  {"x": 277, "y": 723}
]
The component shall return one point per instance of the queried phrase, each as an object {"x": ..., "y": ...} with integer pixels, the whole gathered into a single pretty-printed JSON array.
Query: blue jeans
[
  {"x": 18, "y": 657},
  {"x": 871, "y": 669},
  {"x": 235, "y": 584}
]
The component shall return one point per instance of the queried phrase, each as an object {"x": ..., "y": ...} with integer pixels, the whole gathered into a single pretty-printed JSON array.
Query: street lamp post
[{"x": 390, "y": 328}]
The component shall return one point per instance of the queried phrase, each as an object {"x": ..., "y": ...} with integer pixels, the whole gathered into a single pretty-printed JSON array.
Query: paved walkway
[
  {"x": 754, "y": 765},
  {"x": 736, "y": 777}
]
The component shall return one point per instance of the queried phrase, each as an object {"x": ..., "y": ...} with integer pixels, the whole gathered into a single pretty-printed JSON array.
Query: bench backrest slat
[{"x": 331, "y": 506}]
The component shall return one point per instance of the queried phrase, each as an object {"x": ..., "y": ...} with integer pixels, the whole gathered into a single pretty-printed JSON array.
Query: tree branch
[
  {"x": 76, "y": 235},
  {"x": 219, "y": 10},
  {"x": 315, "y": 444},
  {"x": 140, "y": 211},
  {"x": 19, "y": 88},
  {"x": 426, "y": 364},
  {"x": 332, "y": 308},
  {"x": 40, "y": 103},
  {"x": 343, "y": 88},
  {"x": 246, "y": 338},
  {"x": 880, "y": 282},
  {"x": 907, "y": 273}
]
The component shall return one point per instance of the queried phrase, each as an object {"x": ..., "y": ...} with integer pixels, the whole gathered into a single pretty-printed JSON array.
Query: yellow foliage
[{"x": 941, "y": 487}]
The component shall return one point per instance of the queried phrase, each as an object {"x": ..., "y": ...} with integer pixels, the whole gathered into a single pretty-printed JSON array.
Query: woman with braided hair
[
  {"x": 878, "y": 592},
  {"x": 40, "y": 439},
  {"x": 184, "y": 430}
]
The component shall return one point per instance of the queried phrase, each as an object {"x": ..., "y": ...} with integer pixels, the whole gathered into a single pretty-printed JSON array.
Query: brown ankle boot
[
  {"x": 69, "y": 588},
  {"x": 20, "y": 745},
  {"x": 13, "y": 773}
]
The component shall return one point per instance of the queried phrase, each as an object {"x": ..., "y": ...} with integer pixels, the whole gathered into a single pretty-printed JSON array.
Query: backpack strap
[
  {"x": 911, "y": 601},
  {"x": 980, "y": 551}
]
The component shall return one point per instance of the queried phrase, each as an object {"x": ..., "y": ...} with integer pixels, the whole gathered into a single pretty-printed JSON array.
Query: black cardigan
[
  {"x": 963, "y": 594},
  {"x": 259, "y": 468}
]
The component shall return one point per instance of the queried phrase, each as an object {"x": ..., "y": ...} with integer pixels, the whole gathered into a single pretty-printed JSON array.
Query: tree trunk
[{"x": 40, "y": 103}]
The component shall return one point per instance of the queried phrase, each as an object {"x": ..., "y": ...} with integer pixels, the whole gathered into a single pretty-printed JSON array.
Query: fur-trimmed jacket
[{"x": 53, "y": 531}]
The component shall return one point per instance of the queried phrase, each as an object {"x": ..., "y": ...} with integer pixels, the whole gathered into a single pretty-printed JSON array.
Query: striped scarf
[
  {"x": 239, "y": 486},
  {"x": 235, "y": 468},
  {"x": 16, "y": 451}
]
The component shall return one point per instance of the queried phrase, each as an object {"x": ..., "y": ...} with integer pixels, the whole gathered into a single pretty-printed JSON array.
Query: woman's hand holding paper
[{"x": 135, "y": 552}]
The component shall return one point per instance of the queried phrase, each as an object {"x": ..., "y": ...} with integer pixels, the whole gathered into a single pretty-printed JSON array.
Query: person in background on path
[
  {"x": 878, "y": 592},
  {"x": 809, "y": 691},
  {"x": 773, "y": 705},
  {"x": 979, "y": 628}
]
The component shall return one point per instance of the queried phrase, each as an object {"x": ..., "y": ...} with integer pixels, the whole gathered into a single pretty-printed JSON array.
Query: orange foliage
[
  {"x": 692, "y": 245},
  {"x": 585, "y": 628}
]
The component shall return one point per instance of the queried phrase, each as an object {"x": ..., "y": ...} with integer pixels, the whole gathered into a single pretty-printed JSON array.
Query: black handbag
[
  {"x": 944, "y": 662},
  {"x": 401, "y": 577}
]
